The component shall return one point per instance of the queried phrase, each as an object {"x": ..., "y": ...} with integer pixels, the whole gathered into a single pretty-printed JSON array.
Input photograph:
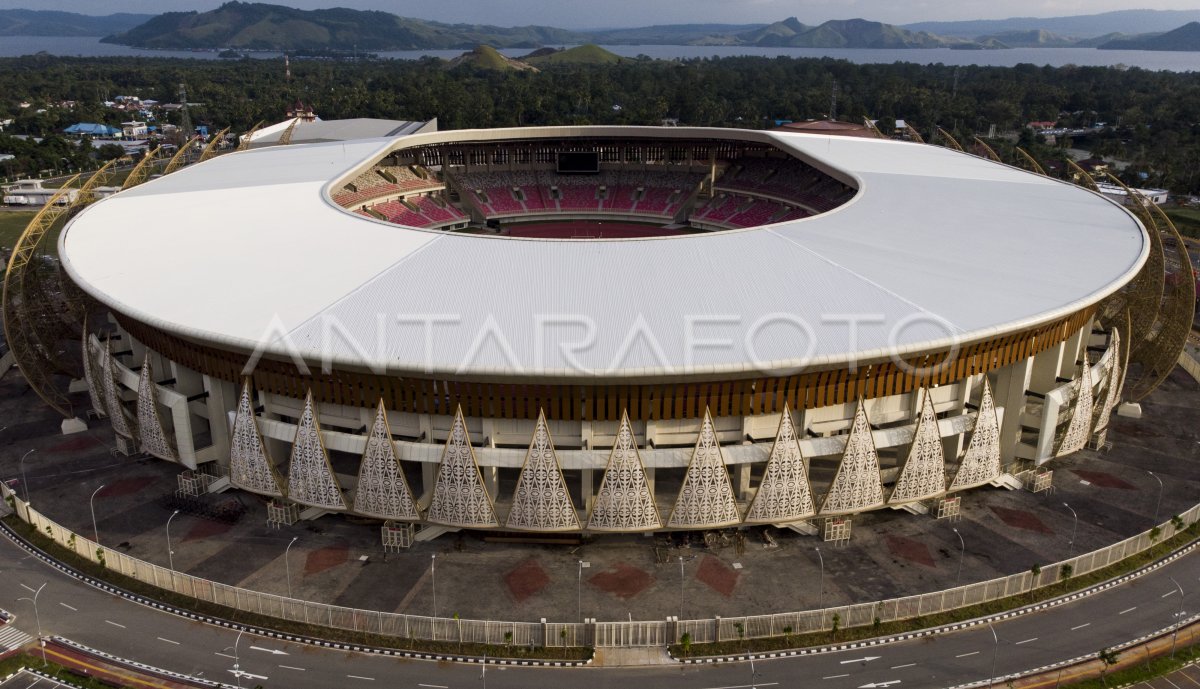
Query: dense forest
[{"x": 1153, "y": 117}]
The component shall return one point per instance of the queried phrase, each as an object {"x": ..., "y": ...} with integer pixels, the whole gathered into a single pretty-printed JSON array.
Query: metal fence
[{"x": 591, "y": 633}]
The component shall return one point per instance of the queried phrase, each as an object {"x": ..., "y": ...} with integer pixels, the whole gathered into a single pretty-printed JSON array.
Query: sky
[{"x": 589, "y": 14}]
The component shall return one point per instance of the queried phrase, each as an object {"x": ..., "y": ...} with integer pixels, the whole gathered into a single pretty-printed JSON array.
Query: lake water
[{"x": 11, "y": 46}]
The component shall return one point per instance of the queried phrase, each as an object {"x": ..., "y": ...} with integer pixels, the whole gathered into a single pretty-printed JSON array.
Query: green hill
[
  {"x": 1185, "y": 38},
  {"x": 487, "y": 57},
  {"x": 845, "y": 33},
  {"x": 47, "y": 23},
  {"x": 258, "y": 26},
  {"x": 1035, "y": 38},
  {"x": 587, "y": 54}
]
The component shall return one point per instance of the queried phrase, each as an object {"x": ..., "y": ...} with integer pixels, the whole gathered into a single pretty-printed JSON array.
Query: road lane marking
[
  {"x": 116, "y": 624},
  {"x": 732, "y": 686},
  {"x": 1168, "y": 593},
  {"x": 443, "y": 686},
  {"x": 864, "y": 659},
  {"x": 836, "y": 676},
  {"x": 28, "y": 589},
  {"x": 269, "y": 650},
  {"x": 289, "y": 667},
  {"x": 964, "y": 655},
  {"x": 361, "y": 677},
  {"x": 68, "y": 607},
  {"x": 1081, "y": 626},
  {"x": 168, "y": 641},
  {"x": 223, "y": 655},
  {"x": 1127, "y": 610},
  {"x": 1025, "y": 641},
  {"x": 897, "y": 667}
]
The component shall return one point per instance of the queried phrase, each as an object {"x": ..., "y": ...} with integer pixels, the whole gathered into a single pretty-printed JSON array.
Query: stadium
[{"x": 609, "y": 329}]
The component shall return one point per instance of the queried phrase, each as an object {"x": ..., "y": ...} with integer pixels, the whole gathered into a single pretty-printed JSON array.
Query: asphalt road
[{"x": 74, "y": 610}]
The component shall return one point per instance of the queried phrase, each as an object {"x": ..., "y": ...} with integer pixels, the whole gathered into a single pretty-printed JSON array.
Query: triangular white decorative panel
[
  {"x": 923, "y": 472},
  {"x": 706, "y": 497},
  {"x": 121, "y": 424},
  {"x": 154, "y": 440},
  {"x": 382, "y": 489},
  {"x": 785, "y": 493},
  {"x": 1111, "y": 387},
  {"x": 311, "y": 480},
  {"x": 624, "y": 502},
  {"x": 459, "y": 496},
  {"x": 541, "y": 501},
  {"x": 856, "y": 485},
  {"x": 250, "y": 467},
  {"x": 95, "y": 389},
  {"x": 1079, "y": 427},
  {"x": 981, "y": 462}
]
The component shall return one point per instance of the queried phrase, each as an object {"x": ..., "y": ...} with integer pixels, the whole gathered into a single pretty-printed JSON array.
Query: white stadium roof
[{"x": 936, "y": 246}]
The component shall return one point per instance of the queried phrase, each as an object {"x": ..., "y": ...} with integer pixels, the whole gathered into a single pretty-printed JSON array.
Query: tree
[{"x": 1107, "y": 657}]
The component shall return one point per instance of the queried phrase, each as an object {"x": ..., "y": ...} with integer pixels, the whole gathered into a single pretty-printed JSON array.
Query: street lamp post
[
  {"x": 170, "y": 553},
  {"x": 237, "y": 670},
  {"x": 821, "y": 588},
  {"x": 287, "y": 566},
  {"x": 1179, "y": 618},
  {"x": 37, "y": 616},
  {"x": 995, "y": 652},
  {"x": 1074, "y": 529},
  {"x": 579, "y": 592},
  {"x": 23, "y": 481},
  {"x": 92, "y": 507},
  {"x": 681, "y": 587},
  {"x": 961, "y": 554},
  {"x": 433, "y": 576},
  {"x": 1157, "y": 505}
]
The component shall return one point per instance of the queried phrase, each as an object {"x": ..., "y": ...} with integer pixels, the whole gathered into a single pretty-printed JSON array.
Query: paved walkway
[{"x": 890, "y": 554}]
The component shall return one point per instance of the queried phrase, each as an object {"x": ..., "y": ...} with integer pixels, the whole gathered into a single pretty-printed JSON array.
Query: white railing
[{"x": 565, "y": 634}]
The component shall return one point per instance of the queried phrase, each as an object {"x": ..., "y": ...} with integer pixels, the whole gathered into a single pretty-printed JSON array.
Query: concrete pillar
[
  {"x": 741, "y": 481},
  {"x": 1009, "y": 393},
  {"x": 1046, "y": 366},
  {"x": 222, "y": 398},
  {"x": 585, "y": 488},
  {"x": 1071, "y": 351}
]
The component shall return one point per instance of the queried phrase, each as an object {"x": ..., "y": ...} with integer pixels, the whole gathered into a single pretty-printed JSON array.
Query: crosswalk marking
[{"x": 11, "y": 637}]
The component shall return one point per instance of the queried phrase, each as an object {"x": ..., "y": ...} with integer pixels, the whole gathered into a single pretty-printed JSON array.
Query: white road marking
[
  {"x": 1127, "y": 610},
  {"x": 864, "y": 659},
  {"x": 68, "y": 607},
  {"x": 168, "y": 641},
  {"x": 116, "y": 624},
  {"x": 1168, "y": 593},
  {"x": 1081, "y": 626},
  {"x": 897, "y": 667},
  {"x": 289, "y": 667},
  {"x": 443, "y": 686},
  {"x": 836, "y": 676},
  {"x": 223, "y": 655},
  {"x": 1025, "y": 641},
  {"x": 269, "y": 650},
  {"x": 361, "y": 677},
  {"x": 732, "y": 686},
  {"x": 28, "y": 589},
  {"x": 964, "y": 655}
]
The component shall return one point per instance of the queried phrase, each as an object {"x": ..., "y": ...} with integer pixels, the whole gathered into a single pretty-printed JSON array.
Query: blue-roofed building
[{"x": 93, "y": 129}]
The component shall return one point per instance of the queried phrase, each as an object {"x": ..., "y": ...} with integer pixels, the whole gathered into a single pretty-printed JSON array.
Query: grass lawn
[
  {"x": 1187, "y": 221},
  {"x": 12, "y": 224}
]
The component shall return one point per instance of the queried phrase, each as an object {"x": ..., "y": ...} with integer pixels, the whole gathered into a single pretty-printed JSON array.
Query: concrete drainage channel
[{"x": 259, "y": 631}]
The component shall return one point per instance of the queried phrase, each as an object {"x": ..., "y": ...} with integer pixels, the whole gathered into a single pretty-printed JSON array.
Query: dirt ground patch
[
  {"x": 1020, "y": 519},
  {"x": 326, "y": 558},
  {"x": 206, "y": 529},
  {"x": 622, "y": 580},
  {"x": 526, "y": 580},
  {"x": 126, "y": 486},
  {"x": 719, "y": 576},
  {"x": 1103, "y": 479},
  {"x": 913, "y": 551},
  {"x": 80, "y": 442}
]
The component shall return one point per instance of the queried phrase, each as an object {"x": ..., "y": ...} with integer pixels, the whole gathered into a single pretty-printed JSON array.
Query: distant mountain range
[
  {"x": 259, "y": 26},
  {"x": 45, "y": 23}
]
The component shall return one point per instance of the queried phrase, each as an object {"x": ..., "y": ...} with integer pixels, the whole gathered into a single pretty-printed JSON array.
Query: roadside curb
[
  {"x": 944, "y": 629},
  {"x": 268, "y": 633}
]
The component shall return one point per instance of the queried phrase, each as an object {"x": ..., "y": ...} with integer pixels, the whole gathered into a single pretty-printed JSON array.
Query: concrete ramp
[
  {"x": 805, "y": 528},
  {"x": 430, "y": 532},
  {"x": 1007, "y": 481}
]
